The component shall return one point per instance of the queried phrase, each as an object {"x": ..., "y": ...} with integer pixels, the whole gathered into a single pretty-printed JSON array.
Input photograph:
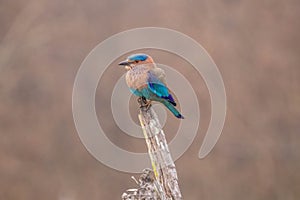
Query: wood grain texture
[{"x": 162, "y": 162}]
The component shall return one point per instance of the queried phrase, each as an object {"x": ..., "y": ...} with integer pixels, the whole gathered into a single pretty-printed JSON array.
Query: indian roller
[{"x": 148, "y": 82}]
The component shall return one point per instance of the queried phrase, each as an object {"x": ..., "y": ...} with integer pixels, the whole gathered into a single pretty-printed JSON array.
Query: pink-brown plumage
[
  {"x": 137, "y": 76},
  {"x": 148, "y": 81}
]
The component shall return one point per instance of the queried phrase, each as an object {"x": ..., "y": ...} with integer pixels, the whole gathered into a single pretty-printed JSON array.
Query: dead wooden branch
[{"x": 165, "y": 181}]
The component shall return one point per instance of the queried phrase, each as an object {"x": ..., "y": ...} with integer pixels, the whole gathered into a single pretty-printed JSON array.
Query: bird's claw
[{"x": 144, "y": 103}]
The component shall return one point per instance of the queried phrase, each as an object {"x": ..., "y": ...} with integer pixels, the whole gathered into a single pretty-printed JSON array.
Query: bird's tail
[{"x": 172, "y": 109}]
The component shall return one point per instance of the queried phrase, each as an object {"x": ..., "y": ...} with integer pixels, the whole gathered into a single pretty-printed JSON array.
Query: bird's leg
[
  {"x": 148, "y": 104},
  {"x": 144, "y": 100},
  {"x": 144, "y": 103},
  {"x": 140, "y": 101}
]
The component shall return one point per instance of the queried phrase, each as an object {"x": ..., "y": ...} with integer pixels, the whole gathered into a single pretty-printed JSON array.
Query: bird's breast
[{"x": 136, "y": 78}]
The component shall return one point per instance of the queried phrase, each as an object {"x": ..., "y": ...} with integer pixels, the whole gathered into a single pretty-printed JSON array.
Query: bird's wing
[
  {"x": 160, "y": 74},
  {"x": 157, "y": 84}
]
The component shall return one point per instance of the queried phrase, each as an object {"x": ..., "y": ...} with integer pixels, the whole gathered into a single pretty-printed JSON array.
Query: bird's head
[{"x": 136, "y": 59}]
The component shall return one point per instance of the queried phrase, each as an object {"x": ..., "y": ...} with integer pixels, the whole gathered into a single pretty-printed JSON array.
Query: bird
[{"x": 148, "y": 82}]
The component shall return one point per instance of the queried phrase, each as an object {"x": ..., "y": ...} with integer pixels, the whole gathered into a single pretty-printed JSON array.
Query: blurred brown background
[{"x": 255, "y": 45}]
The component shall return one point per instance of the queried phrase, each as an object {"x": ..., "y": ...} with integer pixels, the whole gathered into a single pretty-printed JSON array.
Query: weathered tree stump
[{"x": 166, "y": 181}]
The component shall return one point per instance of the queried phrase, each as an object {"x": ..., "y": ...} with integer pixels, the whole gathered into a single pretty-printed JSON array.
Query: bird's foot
[
  {"x": 140, "y": 100},
  {"x": 148, "y": 105},
  {"x": 144, "y": 103}
]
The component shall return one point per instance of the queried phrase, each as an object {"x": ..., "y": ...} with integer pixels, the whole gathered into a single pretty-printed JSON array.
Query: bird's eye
[{"x": 136, "y": 61}]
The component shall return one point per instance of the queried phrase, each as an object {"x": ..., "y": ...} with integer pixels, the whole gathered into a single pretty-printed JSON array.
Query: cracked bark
[{"x": 161, "y": 160}]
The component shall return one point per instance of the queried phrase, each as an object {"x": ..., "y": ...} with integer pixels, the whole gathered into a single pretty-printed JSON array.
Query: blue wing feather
[{"x": 158, "y": 88}]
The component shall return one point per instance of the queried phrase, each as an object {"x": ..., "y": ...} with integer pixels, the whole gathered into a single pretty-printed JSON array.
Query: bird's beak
[{"x": 124, "y": 63}]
